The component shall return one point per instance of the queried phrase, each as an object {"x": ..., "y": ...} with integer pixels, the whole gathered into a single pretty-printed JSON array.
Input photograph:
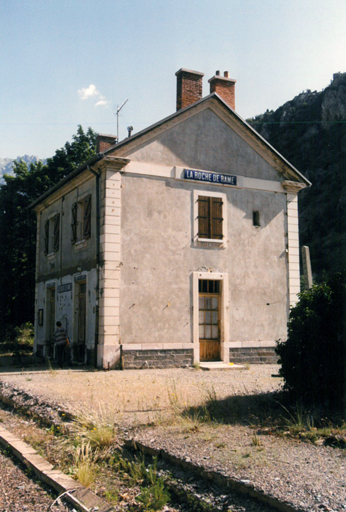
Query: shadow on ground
[
  {"x": 257, "y": 409},
  {"x": 29, "y": 363}
]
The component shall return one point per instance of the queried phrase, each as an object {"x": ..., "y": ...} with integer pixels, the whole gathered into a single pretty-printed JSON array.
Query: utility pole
[{"x": 307, "y": 267}]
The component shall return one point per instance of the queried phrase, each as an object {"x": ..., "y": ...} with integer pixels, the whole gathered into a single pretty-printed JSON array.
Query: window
[
  {"x": 52, "y": 234},
  {"x": 208, "y": 310},
  {"x": 81, "y": 220},
  {"x": 256, "y": 219},
  {"x": 210, "y": 217},
  {"x": 40, "y": 317},
  {"x": 46, "y": 237},
  {"x": 208, "y": 286}
]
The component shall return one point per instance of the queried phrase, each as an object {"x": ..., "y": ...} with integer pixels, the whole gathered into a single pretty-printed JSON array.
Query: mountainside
[
  {"x": 6, "y": 164},
  {"x": 310, "y": 132}
]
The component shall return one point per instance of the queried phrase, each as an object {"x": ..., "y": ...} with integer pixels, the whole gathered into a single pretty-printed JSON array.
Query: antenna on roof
[{"x": 117, "y": 114}]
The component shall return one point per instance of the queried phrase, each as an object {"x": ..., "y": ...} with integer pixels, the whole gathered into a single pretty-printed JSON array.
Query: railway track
[{"x": 189, "y": 491}]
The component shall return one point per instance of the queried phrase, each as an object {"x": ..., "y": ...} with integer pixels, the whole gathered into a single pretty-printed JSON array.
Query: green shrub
[
  {"x": 313, "y": 357},
  {"x": 24, "y": 335},
  {"x": 153, "y": 497}
]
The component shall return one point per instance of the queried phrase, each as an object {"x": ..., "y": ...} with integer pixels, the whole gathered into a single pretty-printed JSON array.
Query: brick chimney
[
  {"x": 189, "y": 87},
  {"x": 104, "y": 142},
  {"x": 224, "y": 87}
]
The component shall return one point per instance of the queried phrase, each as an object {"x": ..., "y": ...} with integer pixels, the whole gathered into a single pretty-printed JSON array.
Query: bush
[
  {"x": 24, "y": 335},
  {"x": 313, "y": 357}
]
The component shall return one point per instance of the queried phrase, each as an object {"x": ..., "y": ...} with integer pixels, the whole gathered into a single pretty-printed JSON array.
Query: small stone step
[{"x": 220, "y": 365}]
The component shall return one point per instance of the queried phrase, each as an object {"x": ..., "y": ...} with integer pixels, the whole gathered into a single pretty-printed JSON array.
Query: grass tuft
[
  {"x": 85, "y": 467},
  {"x": 255, "y": 441},
  {"x": 97, "y": 427}
]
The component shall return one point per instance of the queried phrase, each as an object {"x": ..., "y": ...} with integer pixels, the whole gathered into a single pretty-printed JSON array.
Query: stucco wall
[
  {"x": 66, "y": 307},
  {"x": 159, "y": 256},
  {"x": 204, "y": 141},
  {"x": 69, "y": 256},
  {"x": 65, "y": 266}
]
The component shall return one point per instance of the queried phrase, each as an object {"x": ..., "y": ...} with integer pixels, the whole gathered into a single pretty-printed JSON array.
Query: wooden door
[{"x": 209, "y": 320}]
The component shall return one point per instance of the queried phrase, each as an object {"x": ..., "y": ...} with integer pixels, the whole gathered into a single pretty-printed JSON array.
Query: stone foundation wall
[
  {"x": 137, "y": 359},
  {"x": 253, "y": 355}
]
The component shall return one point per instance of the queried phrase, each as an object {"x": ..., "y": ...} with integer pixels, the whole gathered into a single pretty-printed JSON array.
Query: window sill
[
  {"x": 81, "y": 244},
  {"x": 210, "y": 241}
]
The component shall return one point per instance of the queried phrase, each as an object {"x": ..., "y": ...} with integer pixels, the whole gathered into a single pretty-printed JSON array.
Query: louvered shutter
[
  {"x": 203, "y": 217},
  {"x": 74, "y": 223},
  {"x": 87, "y": 218},
  {"x": 216, "y": 218},
  {"x": 56, "y": 232},
  {"x": 46, "y": 236}
]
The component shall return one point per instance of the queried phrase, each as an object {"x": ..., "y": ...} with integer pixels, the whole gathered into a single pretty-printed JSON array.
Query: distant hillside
[
  {"x": 6, "y": 164},
  {"x": 310, "y": 131}
]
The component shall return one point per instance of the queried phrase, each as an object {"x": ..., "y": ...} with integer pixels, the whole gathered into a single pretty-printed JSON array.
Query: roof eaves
[{"x": 66, "y": 179}]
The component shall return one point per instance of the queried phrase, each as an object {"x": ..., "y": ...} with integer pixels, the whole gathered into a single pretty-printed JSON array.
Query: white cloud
[
  {"x": 88, "y": 92},
  {"x": 102, "y": 102},
  {"x": 91, "y": 92}
]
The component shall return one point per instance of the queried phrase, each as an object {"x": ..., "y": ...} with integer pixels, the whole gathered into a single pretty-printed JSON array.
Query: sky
[{"x": 70, "y": 62}]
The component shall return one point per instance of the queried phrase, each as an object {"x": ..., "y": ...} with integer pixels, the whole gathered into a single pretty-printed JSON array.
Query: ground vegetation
[{"x": 313, "y": 357}]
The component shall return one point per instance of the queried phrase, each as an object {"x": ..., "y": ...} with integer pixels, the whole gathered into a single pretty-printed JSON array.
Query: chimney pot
[
  {"x": 224, "y": 87},
  {"x": 189, "y": 87}
]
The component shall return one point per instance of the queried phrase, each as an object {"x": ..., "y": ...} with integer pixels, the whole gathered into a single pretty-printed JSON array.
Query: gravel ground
[
  {"x": 145, "y": 403},
  {"x": 134, "y": 397},
  {"x": 309, "y": 477},
  {"x": 185, "y": 489},
  {"x": 18, "y": 492}
]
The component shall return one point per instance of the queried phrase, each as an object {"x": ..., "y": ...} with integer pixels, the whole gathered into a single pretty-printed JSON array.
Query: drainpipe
[{"x": 98, "y": 216}]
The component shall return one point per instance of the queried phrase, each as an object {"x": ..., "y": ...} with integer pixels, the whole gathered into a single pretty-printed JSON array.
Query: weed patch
[
  {"x": 85, "y": 471},
  {"x": 266, "y": 412},
  {"x": 153, "y": 493},
  {"x": 153, "y": 497}
]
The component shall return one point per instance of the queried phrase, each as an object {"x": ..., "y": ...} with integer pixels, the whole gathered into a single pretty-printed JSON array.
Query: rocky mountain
[
  {"x": 310, "y": 131},
  {"x": 6, "y": 164}
]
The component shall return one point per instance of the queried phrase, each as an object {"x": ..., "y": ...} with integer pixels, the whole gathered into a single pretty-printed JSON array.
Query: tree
[
  {"x": 72, "y": 155},
  {"x": 313, "y": 357},
  {"x": 18, "y": 225}
]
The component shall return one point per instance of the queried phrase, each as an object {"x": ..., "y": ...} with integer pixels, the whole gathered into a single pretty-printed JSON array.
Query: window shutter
[
  {"x": 87, "y": 218},
  {"x": 56, "y": 232},
  {"x": 203, "y": 217},
  {"x": 216, "y": 218},
  {"x": 74, "y": 223},
  {"x": 46, "y": 236}
]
